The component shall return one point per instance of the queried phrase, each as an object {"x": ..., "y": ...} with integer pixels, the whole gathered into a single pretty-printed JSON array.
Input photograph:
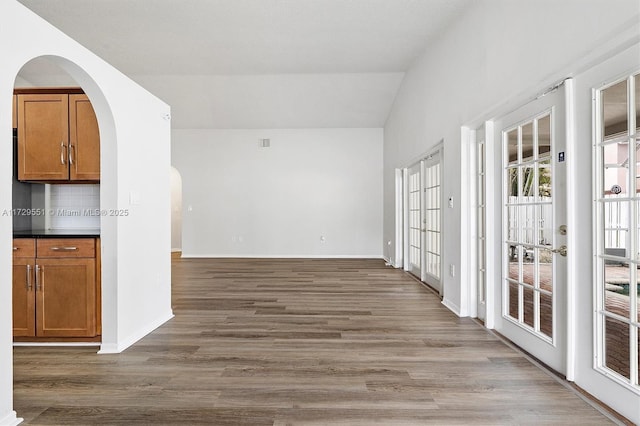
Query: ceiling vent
[{"x": 264, "y": 143}]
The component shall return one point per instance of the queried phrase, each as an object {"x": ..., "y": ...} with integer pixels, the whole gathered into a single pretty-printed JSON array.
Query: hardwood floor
[{"x": 279, "y": 342}]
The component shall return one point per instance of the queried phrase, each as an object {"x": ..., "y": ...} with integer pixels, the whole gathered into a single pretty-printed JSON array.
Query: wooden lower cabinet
[
  {"x": 24, "y": 299},
  {"x": 66, "y": 298},
  {"x": 55, "y": 296}
]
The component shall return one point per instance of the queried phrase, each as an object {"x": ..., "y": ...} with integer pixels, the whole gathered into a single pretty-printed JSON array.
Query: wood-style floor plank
[{"x": 282, "y": 342}]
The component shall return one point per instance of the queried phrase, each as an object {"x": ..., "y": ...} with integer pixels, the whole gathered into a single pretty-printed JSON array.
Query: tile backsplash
[{"x": 72, "y": 206}]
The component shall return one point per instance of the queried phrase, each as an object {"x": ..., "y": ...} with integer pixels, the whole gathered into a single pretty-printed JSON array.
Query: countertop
[{"x": 57, "y": 233}]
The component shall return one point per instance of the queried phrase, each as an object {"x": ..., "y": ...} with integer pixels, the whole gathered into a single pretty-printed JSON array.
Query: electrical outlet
[{"x": 452, "y": 270}]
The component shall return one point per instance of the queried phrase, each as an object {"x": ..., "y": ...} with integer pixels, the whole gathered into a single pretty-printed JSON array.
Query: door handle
[
  {"x": 562, "y": 251},
  {"x": 37, "y": 275},
  {"x": 62, "y": 152},
  {"x": 28, "y": 277},
  {"x": 71, "y": 150}
]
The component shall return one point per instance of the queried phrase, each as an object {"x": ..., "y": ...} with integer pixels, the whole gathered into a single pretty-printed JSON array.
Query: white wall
[
  {"x": 136, "y": 274},
  {"x": 496, "y": 56},
  {"x": 243, "y": 200}
]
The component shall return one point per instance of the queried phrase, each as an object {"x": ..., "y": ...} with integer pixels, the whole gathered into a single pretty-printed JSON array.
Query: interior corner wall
[
  {"x": 497, "y": 54},
  {"x": 312, "y": 193},
  {"x": 132, "y": 124}
]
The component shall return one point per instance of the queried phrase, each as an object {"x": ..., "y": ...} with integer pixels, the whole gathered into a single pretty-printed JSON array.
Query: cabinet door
[
  {"x": 24, "y": 315},
  {"x": 43, "y": 135},
  {"x": 84, "y": 142},
  {"x": 65, "y": 298}
]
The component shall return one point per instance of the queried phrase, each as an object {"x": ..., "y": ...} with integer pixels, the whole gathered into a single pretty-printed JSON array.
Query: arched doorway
[
  {"x": 136, "y": 269},
  {"x": 108, "y": 176},
  {"x": 55, "y": 70}
]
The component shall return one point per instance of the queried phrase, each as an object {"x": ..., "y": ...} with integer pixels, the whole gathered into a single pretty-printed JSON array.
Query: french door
[
  {"x": 414, "y": 219},
  {"x": 424, "y": 220},
  {"x": 432, "y": 221},
  {"x": 533, "y": 289},
  {"x": 617, "y": 205}
]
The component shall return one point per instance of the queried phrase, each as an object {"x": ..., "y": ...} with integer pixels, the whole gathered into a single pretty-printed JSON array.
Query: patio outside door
[
  {"x": 533, "y": 289},
  {"x": 432, "y": 222},
  {"x": 414, "y": 220}
]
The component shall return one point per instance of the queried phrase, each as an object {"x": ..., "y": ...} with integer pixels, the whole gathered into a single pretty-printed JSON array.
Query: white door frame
[
  {"x": 477, "y": 306},
  {"x": 413, "y": 188},
  {"x": 554, "y": 351},
  {"x": 433, "y": 159},
  {"x": 397, "y": 261},
  {"x": 402, "y": 211},
  {"x": 469, "y": 204}
]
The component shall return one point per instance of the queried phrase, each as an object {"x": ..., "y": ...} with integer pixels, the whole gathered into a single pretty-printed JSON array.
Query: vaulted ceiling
[{"x": 256, "y": 63}]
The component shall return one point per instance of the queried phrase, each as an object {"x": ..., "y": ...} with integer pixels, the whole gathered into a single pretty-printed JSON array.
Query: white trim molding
[
  {"x": 11, "y": 419},
  {"x": 112, "y": 348}
]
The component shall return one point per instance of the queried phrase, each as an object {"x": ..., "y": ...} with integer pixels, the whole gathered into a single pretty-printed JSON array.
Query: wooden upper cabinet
[
  {"x": 84, "y": 142},
  {"x": 43, "y": 134},
  {"x": 14, "y": 112},
  {"x": 58, "y": 136}
]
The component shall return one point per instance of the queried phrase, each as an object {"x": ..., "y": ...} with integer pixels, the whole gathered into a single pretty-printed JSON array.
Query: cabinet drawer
[
  {"x": 66, "y": 247},
  {"x": 24, "y": 247}
]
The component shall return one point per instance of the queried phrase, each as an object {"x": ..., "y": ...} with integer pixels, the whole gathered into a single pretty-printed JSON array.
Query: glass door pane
[
  {"x": 529, "y": 224},
  {"x": 618, "y": 236},
  {"x": 413, "y": 221}
]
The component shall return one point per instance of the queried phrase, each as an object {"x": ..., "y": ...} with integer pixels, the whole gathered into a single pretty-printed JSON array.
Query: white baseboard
[
  {"x": 116, "y": 348},
  {"x": 11, "y": 419},
  {"x": 108, "y": 348},
  {"x": 390, "y": 263},
  {"x": 281, "y": 256},
  {"x": 451, "y": 306}
]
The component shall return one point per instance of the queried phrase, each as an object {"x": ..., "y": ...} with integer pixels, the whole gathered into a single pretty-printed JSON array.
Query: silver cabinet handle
[
  {"x": 562, "y": 251},
  {"x": 64, "y": 248},
  {"x": 16, "y": 248},
  {"x": 71, "y": 149},
  {"x": 62, "y": 152},
  {"x": 37, "y": 275},
  {"x": 28, "y": 277}
]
